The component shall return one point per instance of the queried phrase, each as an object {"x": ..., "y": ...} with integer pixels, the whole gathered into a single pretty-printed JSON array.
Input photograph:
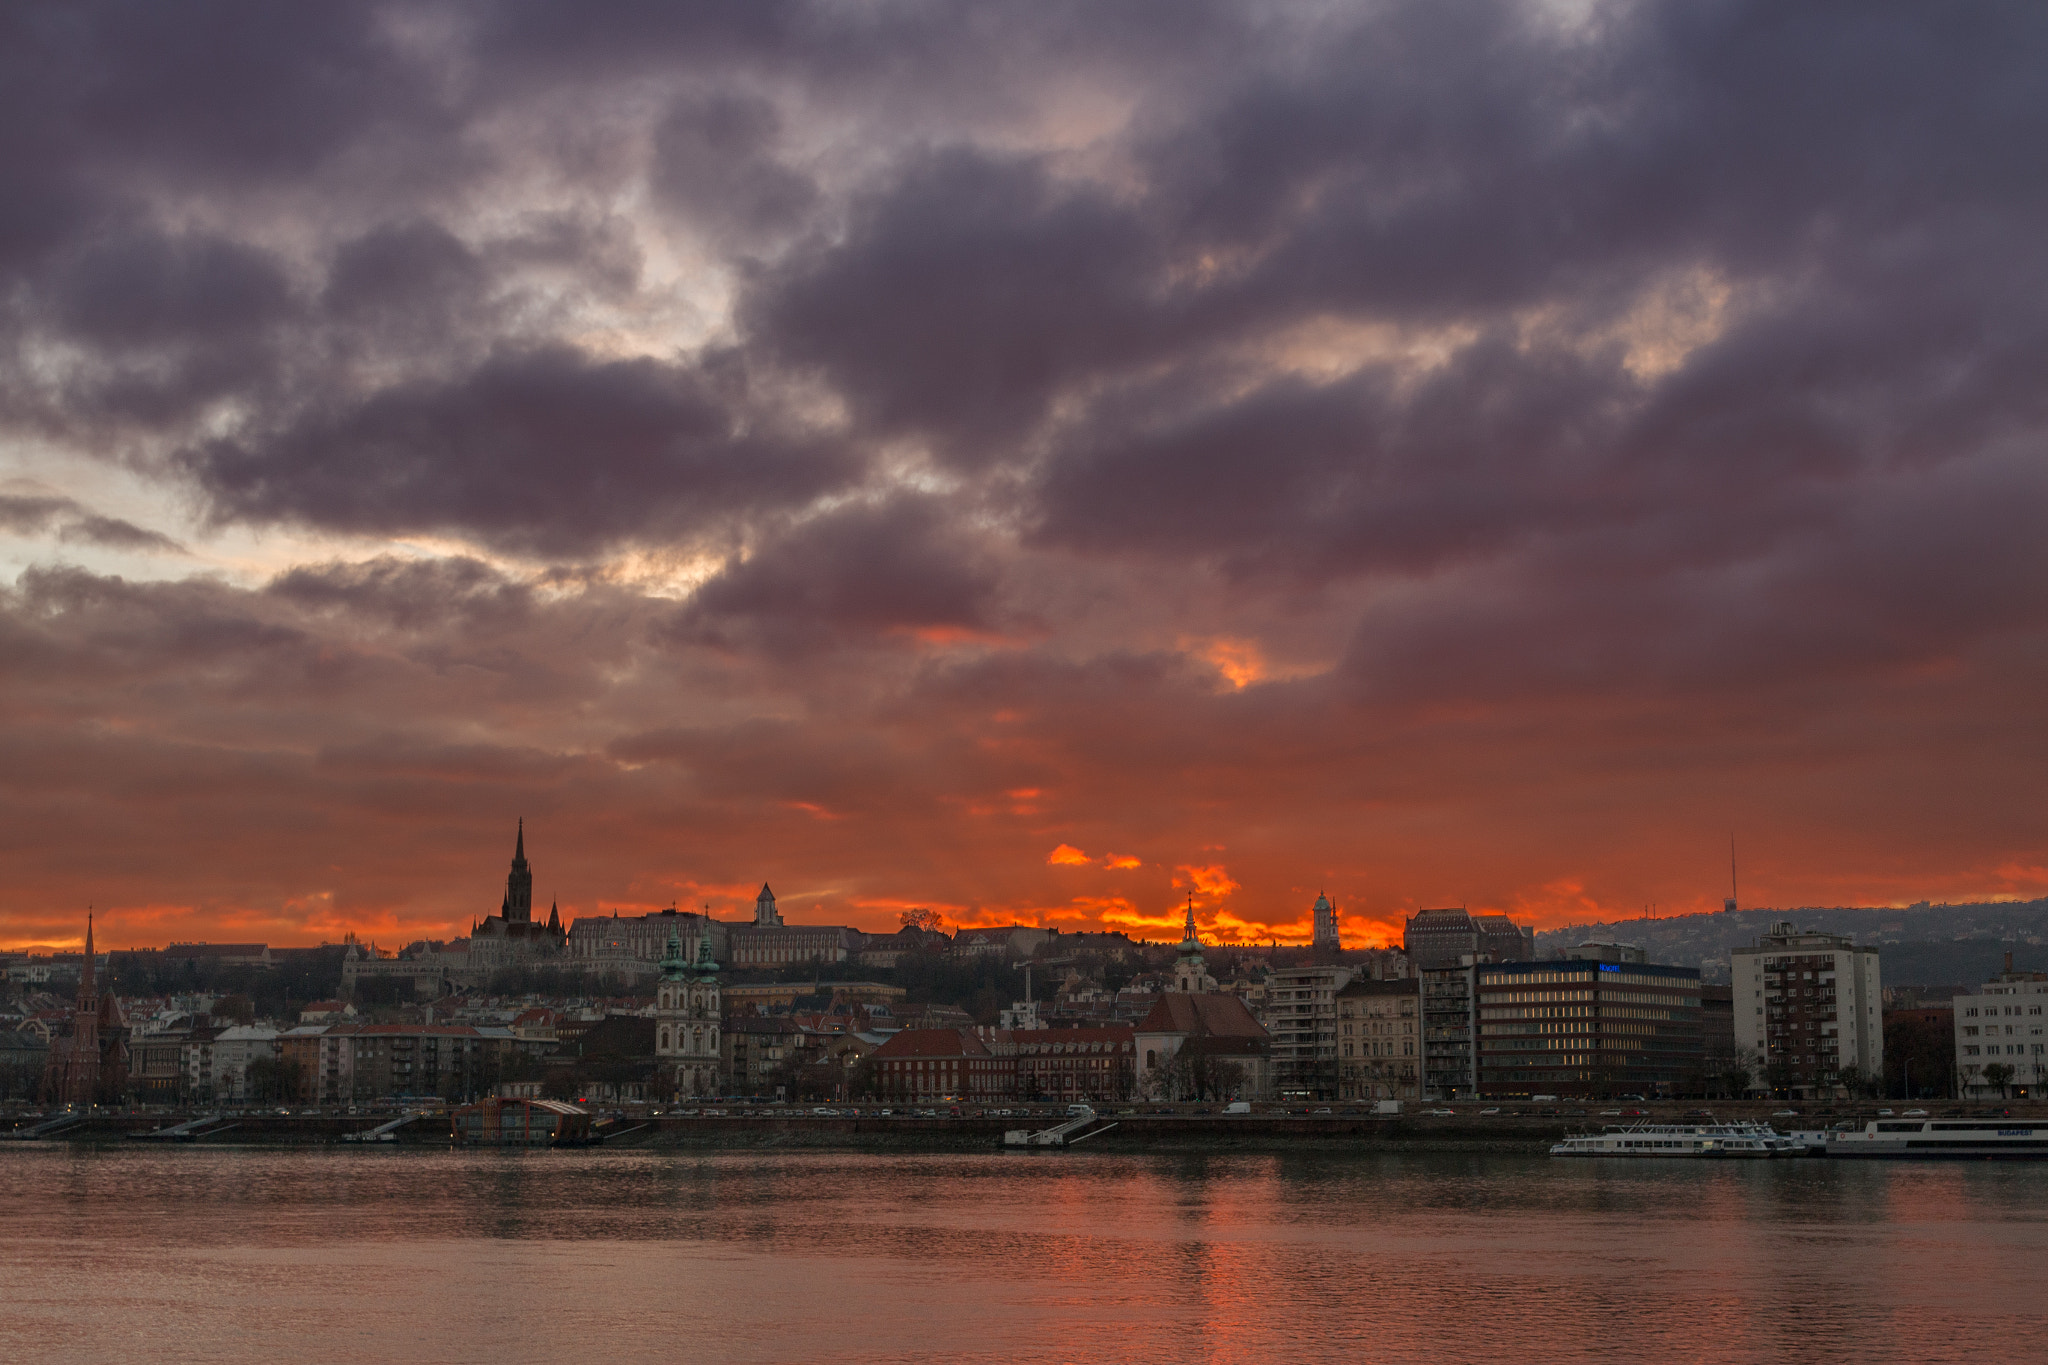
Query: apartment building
[
  {"x": 1450, "y": 1020},
  {"x": 2001, "y": 1046},
  {"x": 1379, "y": 1040},
  {"x": 1301, "y": 1017},
  {"x": 1808, "y": 1006}
]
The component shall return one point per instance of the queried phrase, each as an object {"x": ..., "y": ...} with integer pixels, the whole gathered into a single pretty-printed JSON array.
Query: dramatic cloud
[{"x": 1422, "y": 452}]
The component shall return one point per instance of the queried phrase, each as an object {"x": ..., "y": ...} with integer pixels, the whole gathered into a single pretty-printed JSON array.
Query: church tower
[
  {"x": 518, "y": 908},
  {"x": 78, "y": 1077},
  {"x": 1326, "y": 936},
  {"x": 765, "y": 914},
  {"x": 1190, "y": 972},
  {"x": 687, "y": 1016}
]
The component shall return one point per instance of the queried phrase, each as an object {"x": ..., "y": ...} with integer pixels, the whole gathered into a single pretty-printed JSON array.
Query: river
[{"x": 190, "y": 1254}]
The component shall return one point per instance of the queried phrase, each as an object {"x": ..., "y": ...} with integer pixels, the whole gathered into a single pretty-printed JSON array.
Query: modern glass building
[{"x": 1587, "y": 1028}]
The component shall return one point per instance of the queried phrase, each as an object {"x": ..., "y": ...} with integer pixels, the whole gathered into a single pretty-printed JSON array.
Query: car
[
  {"x": 1884, "y": 1113},
  {"x": 1699, "y": 1113},
  {"x": 1322, "y": 1111},
  {"x": 1610, "y": 1113},
  {"x": 1785, "y": 1114},
  {"x": 1916, "y": 1113},
  {"x": 1439, "y": 1113},
  {"x": 1489, "y": 1111}
]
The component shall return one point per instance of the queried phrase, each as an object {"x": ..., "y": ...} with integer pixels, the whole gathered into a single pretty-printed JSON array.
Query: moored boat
[
  {"x": 1739, "y": 1140},
  {"x": 1939, "y": 1139}
]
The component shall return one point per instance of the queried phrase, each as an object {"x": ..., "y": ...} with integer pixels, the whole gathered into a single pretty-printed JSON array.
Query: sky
[{"x": 1044, "y": 463}]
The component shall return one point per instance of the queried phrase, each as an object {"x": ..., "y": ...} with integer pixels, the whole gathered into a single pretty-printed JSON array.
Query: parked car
[
  {"x": 1916, "y": 1113},
  {"x": 1489, "y": 1111},
  {"x": 1439, "y": 1113}
]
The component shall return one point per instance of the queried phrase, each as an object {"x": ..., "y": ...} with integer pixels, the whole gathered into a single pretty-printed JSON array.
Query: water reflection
[{"x": 197, "y": 1254}]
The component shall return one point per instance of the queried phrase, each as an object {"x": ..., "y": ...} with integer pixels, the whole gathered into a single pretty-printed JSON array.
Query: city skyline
[{"x": 1032, "y": 465}]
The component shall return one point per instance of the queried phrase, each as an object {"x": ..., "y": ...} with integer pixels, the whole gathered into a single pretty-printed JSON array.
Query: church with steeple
[
  {"x": 88, "y": 1063},
  {"x": 1190, "y": 971},
  {"x": 687, "y": 1016},
  {"x": 511, "y": 937}
]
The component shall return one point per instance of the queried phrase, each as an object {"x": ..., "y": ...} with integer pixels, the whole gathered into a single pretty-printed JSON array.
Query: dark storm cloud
[
  {"x": 966, "y": 297},
  {"x": 407, "y": 278},
  {"x": 716, "y": 159},
  {"x": 849, "y": 573},
  {"x": 549, "y": 450}
]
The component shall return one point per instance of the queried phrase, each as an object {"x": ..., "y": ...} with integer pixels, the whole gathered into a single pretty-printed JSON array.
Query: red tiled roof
[
  {"x": 1206, "y": 1015},
  {"x": 931, "y": 1042}
]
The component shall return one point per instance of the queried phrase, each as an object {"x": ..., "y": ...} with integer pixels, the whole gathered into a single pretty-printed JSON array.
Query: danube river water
[{"x": 113, "y": 1253}]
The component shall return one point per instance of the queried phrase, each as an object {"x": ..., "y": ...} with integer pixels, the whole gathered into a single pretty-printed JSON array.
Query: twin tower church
[{"x": 686, "y": 1017}]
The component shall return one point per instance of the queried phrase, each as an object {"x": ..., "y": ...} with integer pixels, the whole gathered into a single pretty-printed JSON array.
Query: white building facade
[
  {"x": 1808, "y": 1006},
  {"x": 2001, "y": 1049},
  {"x": 688, "y": 1014}
]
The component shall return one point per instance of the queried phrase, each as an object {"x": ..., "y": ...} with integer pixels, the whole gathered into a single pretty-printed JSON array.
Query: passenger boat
[
  {"x": 1755, "y": 1140},
  {"x": 1952, "y": 1139}
]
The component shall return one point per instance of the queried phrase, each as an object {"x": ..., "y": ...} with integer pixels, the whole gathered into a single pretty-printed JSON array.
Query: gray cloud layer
[{"x": 1496, "y": 354}]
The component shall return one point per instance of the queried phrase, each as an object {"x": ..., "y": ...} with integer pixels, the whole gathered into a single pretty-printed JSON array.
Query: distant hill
[{"x": 1921, "y": 945}]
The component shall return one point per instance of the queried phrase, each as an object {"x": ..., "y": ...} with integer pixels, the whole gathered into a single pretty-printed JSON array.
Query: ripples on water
[{"x": 638, "y": 1256}]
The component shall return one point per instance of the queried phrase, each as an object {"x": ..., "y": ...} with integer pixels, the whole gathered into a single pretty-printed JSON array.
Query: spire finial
[{"x": 519, "y": 850}]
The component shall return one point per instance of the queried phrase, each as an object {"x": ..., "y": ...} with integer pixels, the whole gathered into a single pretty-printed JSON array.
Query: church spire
[
  {"x": 518, "y": 907},
  {"x": 88, "y": 977}
]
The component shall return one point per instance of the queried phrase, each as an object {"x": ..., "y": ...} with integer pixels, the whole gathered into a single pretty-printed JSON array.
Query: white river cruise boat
[
  {"x": 1758, "y": 1140},
  {"x": 1920, "y": 1139}
]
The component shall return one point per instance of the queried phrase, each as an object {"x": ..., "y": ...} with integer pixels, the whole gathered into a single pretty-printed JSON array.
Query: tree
[
  {"x": 1918, "y": 1054},
  {"x": 1192, "y": 1074},
  {"x": 2000, "y": 1075},
  {"x": 931, "y": 921},
  {"x": 1735, "y": 1074},
  {"x": 273, "y": 1078}
]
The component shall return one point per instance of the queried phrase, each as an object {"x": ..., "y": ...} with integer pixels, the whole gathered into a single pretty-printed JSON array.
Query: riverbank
[{"x": 1466, "y": 1128}]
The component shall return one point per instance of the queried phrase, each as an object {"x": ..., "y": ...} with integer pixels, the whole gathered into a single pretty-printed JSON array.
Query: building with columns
[{"x": 687, "y": 1018}]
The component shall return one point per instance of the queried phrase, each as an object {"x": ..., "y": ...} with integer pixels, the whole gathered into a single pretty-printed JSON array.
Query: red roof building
[{"x": 936, "y": 1066}]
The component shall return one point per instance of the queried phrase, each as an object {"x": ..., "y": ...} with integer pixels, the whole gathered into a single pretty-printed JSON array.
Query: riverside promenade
[{"x": 1515, "y": 1127}]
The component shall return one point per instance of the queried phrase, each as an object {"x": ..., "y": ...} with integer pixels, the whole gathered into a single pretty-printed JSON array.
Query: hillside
[{"x": 1920, "y": 945}]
